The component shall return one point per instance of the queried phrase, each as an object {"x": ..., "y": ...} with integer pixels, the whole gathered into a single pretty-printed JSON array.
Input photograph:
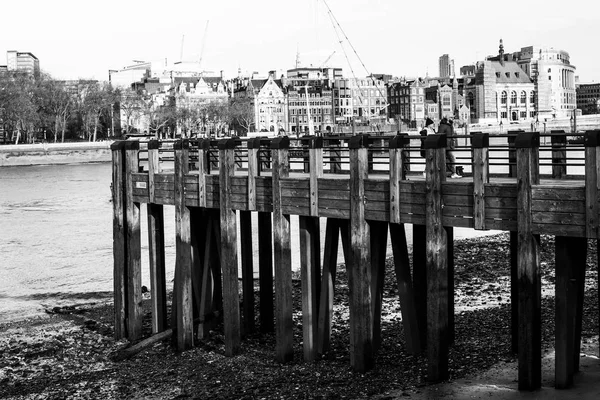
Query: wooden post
[
  {"x": 558, "y": 139},
  {"x": 397, "y": 160},
  {"x": 359, "y": 269},
  {"x": 310, "y": 253},
  {"x": 265, "y": 271},
  {"x": 335, "y": 164},
  {"x": 592, "y": 184},
  {"x": 119, "y": 239},
  {"x": 283, "y": 256},
  {"x": 156, "y": 245},
  {"x": 378, "y": 243},
  {"x": 134, "y": 263},
  {"x": 315, "y": 157},
  {"x": 512, "y": 154},
  {"x": 183, "y": 277},
  {"x": 420, "y": 280},
  {"x": 514, "y": 246},
  {"x": 481, "y": 169},
  {"x": 570, "y": 261},
  {"x": 253, "y": 171},
  {"x": 247, "y": 270},
  {"x": 332, "y": 233},
  {"x": 203, "y": 169},
  {"x": 405, "y": 288},
  {"x": 437, "y": 261},
  {"x": 229, "y": 259},
  {"x": 530, "y": 334}
]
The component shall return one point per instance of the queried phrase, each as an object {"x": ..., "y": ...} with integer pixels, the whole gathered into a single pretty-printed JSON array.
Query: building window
[
  {"x": 523, "y": 97},
  {"x": 503, "y": 114},
  {"x": 513, "y": 97},
  {"x": 446, "y": 100},
  {"x": 503, "y": 98},
  {"x": 523, "y": 114},
  {"x": 532, "y": 97}
]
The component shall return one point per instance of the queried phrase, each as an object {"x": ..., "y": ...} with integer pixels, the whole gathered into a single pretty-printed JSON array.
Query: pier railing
[{"x": 366, "y": 186}]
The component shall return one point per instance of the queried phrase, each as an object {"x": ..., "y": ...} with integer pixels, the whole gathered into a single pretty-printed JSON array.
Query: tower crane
[{"x": 203, "y": 43}]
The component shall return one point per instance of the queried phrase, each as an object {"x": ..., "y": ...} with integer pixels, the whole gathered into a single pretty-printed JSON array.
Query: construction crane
[
  {"x": 203, "y": 43},
  {"x": 324, "y": 63}
]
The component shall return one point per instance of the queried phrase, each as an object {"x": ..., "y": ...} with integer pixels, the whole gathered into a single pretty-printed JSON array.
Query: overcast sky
[{"x": 84, "y": 39}]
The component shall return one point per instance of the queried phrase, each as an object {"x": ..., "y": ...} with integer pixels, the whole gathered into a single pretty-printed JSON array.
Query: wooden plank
[
  {"x": 134, "y": 261},
  {"x": 153, "y": 169},
  {"x": 377, "y": 185},
  {"x": 562, "y": 194},
  {"x": 283, "y": 261},
  {"x": 592, "y": 176},
  {"x": 335, "y": 184},
  {"x": 396, "y": 175},
  {"x": 497, "y": 189},
  {"x": 560, "y": 230},
  {"x": 165, "y": 178},
  {"x": 530, "y": 357},
  {"x": 452, "y": 200},
  {"x": 359, "y": 272},
  {"x": 330, "y": 251},
  {"x": 310, "y": 252},
  {"x": 158, "y": 285},
  {"x": 551, "y": 206},
  {"x": 292, "y": 192},
  {"x": 139, "y": 177},
  {"x": 457, "y": 188},
  {"x": 295, "y": 183},
  {"x": 229, "y": 256},
  {"x": 119, "y": 240},
  {"x": 458, "y": 222},
  {"x": 333, "y": 195},
  {"x": 183, "y": 278},
  {"x": 437, "y": 269},
  {"x": 558, "y": 218},
  {"x": 265, "y": 271},
  {"x": 247, "y": 271}
]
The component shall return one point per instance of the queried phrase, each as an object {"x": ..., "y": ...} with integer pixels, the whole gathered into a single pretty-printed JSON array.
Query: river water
[{"x": 56, "y": 238}]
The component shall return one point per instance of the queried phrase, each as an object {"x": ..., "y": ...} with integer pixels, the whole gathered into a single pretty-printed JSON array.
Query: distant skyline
[{"x": 73, "y": 40}]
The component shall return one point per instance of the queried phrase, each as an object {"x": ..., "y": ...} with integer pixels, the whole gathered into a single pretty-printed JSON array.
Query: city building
[
  {"x": 588, "y": 98},
  {"x": 446, "y": 66},
  {"x": 554, "y": 78},
  {"x": 360, "y": 101},
  {"x": 310, "y": 106},
  {"x": 24, "y": 62},
  {"x": 407, "y": 101}
]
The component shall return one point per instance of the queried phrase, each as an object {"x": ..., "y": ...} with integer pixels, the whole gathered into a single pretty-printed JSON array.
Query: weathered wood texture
[
  {"x": 283, "y": 256},
  {"x": 119, "y": 240},
  {"x": 183, "y": 276},
  {"x": 310, "y": 271},
  {"x": 359, "y": 269},
  {"x": 229, "y": 255}
]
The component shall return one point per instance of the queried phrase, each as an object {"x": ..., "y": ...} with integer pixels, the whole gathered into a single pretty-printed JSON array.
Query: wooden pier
[{"x": 366, "y": 187}]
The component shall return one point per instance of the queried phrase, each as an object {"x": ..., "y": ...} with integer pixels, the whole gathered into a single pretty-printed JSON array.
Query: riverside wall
[{"x": 54, "y": 153}]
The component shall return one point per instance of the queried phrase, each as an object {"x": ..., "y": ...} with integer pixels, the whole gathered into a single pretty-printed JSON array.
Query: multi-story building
[
  {"x": 310, "y": 106},
  {"x": 359, "y": 100},
  {"x": 407, "y": 101},
  {"x": 24, "y": 62},
  {"x": 588, "y": 98},
  {"x": 446, "y": 66},
  {"x": 554, "y": 78}
]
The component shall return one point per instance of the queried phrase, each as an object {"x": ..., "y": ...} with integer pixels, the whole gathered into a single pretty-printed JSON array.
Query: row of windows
[
  {"x": 312, "y": 103},
  {"x": 303, "y": 119},
  {"x": 513, "y": 97},
  {"x": 313, "y": 111}
]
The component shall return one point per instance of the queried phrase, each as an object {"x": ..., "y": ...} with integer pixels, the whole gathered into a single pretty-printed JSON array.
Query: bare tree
[{"x": 241, "y": 113}]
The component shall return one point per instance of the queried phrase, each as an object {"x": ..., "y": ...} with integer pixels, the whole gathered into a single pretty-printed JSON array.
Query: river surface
[{"x": 56, "y": 238}]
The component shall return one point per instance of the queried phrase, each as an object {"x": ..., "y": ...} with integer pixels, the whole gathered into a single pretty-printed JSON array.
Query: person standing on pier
[
  {"x": 447, "y": 128},
  {"x": 428, "y": 130}
]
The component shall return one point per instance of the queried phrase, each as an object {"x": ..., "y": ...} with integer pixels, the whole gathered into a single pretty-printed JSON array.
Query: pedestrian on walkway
[{"x": 447, "y": 128}]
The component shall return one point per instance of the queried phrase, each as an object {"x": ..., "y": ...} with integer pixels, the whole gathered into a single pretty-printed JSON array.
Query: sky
[{"x": 84, "y": 39}]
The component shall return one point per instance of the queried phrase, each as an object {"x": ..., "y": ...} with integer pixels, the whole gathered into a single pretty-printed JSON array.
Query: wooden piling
[
  {"x": 437, "y": 261},
  {"x": 229, "y": 259},
  {"x": 247, "y": 271},
  {"x": 558, "y": 139},
  {"x": 481, "y": 170},
  {"x": 265, "y": 272},
  {"x": 420, "y": 280},
  {"x": 359, "y": 269},
  {"x": 119, "y": 239},
  {"x": 156, "y": 245},
  {"x": 530, "y": 346},
  {"x": 183, "y": 296},
  {"x": 283, "y": 256},
  {"x": 330, "y": 250},
  {"x": 378, "y": 242}
]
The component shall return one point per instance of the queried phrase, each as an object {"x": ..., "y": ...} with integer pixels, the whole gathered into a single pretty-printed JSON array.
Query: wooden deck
[{"x": 208, "y": 182}]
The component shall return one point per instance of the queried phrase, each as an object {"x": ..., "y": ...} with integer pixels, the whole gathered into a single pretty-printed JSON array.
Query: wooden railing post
[
  {"x": 528, "y": 260},
  {"x": 438, "y": 336},
  {"x": 283, "y": 256},
  {"x": 359, "y": 269},
  {"x": 558, "y": 139},
  {"x": 481, "y": 169},
  {"x": 253, "y": 171},
  {"x": 310, "y": 252},
  {"x": 134, "y": 266},
  {"x": 119, "y": 239},
  {"x": 183, "y": 268},
  {"x": 203, "y": 169},
  {"x": 156, "y": 245},
  {"x": 397, "y": 173},
  {"x": 229, "y": 258}
]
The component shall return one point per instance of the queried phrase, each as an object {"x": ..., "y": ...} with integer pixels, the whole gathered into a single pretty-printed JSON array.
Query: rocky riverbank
[
  {"x": 70, "y": 354},
  {"x": 54, "y": 153}
]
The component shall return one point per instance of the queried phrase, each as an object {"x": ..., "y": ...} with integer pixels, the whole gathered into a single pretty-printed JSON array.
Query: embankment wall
[{"x": 54, "y": 153}]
